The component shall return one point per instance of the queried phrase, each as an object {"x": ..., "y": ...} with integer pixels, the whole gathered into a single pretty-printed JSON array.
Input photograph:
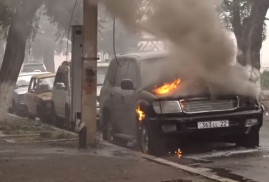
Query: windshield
[
  {"x": 23, "y": 81},
  {"x": 45, "y": 84},
  {"x": 154, "y": 71},
  {"x": 101, "y": 73},
  {"x": 33, "y": 68}
]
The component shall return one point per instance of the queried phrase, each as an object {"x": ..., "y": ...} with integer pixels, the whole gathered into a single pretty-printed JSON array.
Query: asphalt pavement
[
  {"x": 228, "y": 160},
  {"x": 106, "y": 163}
]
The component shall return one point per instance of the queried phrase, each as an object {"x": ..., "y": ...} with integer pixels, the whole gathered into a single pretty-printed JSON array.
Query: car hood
[
  {"x": 21, "y": 90},
  {"x": 185, "y": 89},
  {"x": 47, "y": 96}
]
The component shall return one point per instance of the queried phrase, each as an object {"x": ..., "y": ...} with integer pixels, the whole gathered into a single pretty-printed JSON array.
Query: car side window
[
  {"x": 122, "y": 72},
  {"x": 33, "y": 85},
  {"x": 132, "y": 72},
  {"x": 62, "y": 77},
  {"x": 112, "y": 73}
]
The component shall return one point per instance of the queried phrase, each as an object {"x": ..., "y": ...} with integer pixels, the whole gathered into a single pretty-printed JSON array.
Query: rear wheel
[
  {"x": 54, "y": 118},
  {"x": 67, "y": 120},
  {"x": 14, "y": 108},
  {"x": 41, "y": 116},
  {"x": 107, "y": 129}
]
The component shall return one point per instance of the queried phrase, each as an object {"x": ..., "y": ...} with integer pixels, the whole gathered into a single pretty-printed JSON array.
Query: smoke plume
[{"x": 199, "y": 46}]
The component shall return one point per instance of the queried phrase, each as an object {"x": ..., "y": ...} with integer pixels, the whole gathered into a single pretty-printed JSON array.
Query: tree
[
  {"x": 246, "y": 19},
  {"x": 19, "y": 24},
  {"x": 18, "y": 32}
]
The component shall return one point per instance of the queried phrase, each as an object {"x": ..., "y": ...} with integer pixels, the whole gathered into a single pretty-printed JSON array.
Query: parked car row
[
  {"x": 47, "y": 95},
  {"x": 148, "y": 109}
]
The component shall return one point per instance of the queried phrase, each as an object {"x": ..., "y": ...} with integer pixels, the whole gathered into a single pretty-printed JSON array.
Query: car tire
[
  {"x": 14, "y": 108},
  {"x": 152, "y": 141},
  {"x": 42, "y": 117},
  {"x": 54, "y": 117},
  {"x": 67, "y": 122},
  {"x": 107, "y": 129},
  {"x": 250, "y": 140}
]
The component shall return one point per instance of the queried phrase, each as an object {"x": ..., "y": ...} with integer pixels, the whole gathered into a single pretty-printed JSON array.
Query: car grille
[{"x": 204, "y": 105}]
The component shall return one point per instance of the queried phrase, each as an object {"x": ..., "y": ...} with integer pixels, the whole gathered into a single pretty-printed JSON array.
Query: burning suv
[{"x": 137, "y": 104}]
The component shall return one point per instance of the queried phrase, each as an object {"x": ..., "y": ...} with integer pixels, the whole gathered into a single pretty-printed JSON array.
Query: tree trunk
[
  {"x": 19, "y": 31},
  {"x": 249, "y": 35}
]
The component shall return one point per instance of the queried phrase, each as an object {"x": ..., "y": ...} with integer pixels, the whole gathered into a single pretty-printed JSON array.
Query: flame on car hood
[{"x": 167, "y": 88}]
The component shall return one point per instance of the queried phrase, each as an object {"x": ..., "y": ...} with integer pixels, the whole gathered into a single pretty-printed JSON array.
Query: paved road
[{"x": 227, "y": 160}]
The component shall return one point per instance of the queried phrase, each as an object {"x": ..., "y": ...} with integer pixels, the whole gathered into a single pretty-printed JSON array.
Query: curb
[
  {"x": 199, "y": 171},
  {"x": 205, "y": 172}
]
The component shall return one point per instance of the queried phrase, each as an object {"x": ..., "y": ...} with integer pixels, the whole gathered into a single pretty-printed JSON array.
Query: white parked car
[
  {"x": 33, "y": 67},
  {"x": 61, "y": 93}
]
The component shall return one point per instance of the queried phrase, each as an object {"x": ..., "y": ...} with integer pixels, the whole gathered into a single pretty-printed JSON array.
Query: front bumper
[
  {"x": 21, "y": 108},
  {"x": 188, "y": 124}
]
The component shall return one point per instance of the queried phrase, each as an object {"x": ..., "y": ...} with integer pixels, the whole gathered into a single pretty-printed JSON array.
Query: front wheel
[
  {"x": 107, "y": 129},
  {"x": 54, "y": 118},
  {"x": 152, "y": 141},
  {"x": 251, "y": 140}
]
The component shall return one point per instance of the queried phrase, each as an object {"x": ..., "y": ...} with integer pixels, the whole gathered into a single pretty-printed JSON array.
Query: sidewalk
[{"x": 107, "y": 163}]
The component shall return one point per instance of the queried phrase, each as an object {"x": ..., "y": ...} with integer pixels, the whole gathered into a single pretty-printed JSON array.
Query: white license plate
[{"x": 213, "y": 124}]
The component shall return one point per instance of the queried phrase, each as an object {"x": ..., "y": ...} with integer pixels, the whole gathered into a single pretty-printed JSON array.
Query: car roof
[
  {"x": 103, "y": 64},
  {"x": 31, "y": 73},
  {"x": 144, "y": 55},
  {"x": 45, "y": 75},
  {"x": 30, "y": 64}
]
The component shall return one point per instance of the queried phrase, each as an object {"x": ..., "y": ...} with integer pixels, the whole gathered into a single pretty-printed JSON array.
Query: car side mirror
[
  {"x": 127, "y": 84},
  {"x": 60, "y": 86}
]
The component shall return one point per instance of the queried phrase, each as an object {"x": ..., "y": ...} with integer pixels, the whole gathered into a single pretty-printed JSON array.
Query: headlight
[
  {"x": 97, "y": 104},
  {"x": 167, "y": 107}
]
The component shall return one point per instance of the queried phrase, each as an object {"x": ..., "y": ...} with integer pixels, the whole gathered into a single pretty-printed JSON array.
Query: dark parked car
[{"x": 134, "y": 107}]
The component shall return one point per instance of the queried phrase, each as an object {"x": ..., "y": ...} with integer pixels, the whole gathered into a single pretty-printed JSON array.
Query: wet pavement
[
  {"x": 46, "y": 163},
  {"x": 228, "y": 160}
]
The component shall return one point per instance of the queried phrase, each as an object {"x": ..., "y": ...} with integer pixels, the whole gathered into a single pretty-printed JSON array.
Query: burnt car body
[
  {"x": 39, "y": 96},
  {"x": 131, "y": 111}
]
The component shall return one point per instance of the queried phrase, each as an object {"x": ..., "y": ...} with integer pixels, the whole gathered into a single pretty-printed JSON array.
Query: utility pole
[{"x": 89, "y": 70}]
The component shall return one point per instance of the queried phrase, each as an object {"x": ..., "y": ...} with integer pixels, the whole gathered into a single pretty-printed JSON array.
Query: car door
[
  {"x": 107, "y": 92},
  {"x": 59, "y": 93},
  {"x": 128, "y": 99},
  {"x": 30, "y": 96},
  {"x": 118, "y": 110}
]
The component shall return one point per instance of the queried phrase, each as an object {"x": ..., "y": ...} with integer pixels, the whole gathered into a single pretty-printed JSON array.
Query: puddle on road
[{"x": 228, "y": 174}]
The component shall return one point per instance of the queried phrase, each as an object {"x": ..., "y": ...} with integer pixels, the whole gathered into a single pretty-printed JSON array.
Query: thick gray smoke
[{"x": 199, "y": 46}]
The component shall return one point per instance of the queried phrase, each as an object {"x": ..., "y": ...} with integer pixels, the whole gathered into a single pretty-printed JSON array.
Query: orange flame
[
  {"x": 167, "y": 87},
  {"x": 141, "y": 114},
  {"x": 178, "y": 153}
]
